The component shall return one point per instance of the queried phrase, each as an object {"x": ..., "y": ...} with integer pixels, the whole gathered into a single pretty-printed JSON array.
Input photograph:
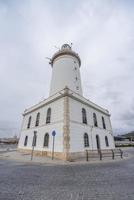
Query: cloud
[{"x": 102, "y": 34}]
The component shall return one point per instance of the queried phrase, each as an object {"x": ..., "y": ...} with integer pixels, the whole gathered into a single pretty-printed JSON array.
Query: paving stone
[{"x": 95, "y": 181}]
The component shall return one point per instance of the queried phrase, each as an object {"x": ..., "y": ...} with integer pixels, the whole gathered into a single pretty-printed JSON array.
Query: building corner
[{"x": 66, "y": 126}]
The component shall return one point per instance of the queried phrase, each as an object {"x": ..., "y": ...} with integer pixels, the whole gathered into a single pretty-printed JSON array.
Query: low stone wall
[
  {"x": 76, "y": 155},
  {"x": 58, "y": 155}
]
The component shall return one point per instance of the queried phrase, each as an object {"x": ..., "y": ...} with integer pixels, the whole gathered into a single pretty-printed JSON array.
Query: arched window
[
  {"x": 46, "y": 140},
  {"x": 37, "y": 119},
  {"x": 48, "y": 117},
  {"x": 29, "y": 122},
  {"x": 86, "y": 140},
  {"x": 34, "y": 139},
  {"x": 84, "y": 116},
  {"x": 106, "y": 141},
  {"x": 103, "y": 123},
  {"x": 95, "y": 119},
  {"x": 97, "y": 142},
  {"x": 26, "y": 140}
]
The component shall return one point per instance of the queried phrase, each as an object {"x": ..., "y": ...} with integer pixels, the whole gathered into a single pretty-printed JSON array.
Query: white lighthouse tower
[
  {"x": 65, "y": 73},
  {"x": 78, "y": 123}
]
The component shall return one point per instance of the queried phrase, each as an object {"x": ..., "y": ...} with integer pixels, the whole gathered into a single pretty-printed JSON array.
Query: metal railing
[{"x": 100, "y": 154}]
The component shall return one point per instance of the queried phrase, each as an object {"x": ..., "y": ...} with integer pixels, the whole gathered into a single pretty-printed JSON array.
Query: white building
[{"x": 79, "y": 123}]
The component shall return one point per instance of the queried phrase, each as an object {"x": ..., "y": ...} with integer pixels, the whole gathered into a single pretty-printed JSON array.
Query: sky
[{"x": 102, "y": 33}]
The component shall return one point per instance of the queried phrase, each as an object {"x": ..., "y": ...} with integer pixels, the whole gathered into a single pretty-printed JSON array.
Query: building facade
[{"x": 79, "y": 123}]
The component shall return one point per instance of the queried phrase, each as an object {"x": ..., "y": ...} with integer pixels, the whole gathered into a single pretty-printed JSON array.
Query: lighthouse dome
[
  {"x": 65, "y": 50},
  {"x": 65, "y": 47}
]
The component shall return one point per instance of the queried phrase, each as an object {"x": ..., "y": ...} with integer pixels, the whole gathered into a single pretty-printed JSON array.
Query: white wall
[
  {"x": 77, "y": 128},
  {"x": 40, "y": 137},
  {"x": 56, "y": 124},
  {"x": 77, "y": 138},
  {"x": 56, "y": 114},
  {"x": 76, "y": 114}
]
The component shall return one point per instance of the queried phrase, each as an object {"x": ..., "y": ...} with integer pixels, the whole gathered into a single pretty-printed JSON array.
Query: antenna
[
  {"x": 50, "y": 60},
  {"x": 71, "y": 44},
  {"x": 57, "y": 47}
]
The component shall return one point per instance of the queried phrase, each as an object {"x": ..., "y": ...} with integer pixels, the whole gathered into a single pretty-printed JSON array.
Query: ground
[{"x": 93, "y": 181}]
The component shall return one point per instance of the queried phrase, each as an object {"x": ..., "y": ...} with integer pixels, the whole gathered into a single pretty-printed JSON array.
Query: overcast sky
[{"x": 102, "y": 32}]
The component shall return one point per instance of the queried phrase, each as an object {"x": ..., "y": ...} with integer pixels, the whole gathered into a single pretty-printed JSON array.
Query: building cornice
[
  {"x": 95, "y": 106},
  {"x": 43, "y": 103},
  {"x": 65, "y": 52},
  {"x": 70, "y": 94}
]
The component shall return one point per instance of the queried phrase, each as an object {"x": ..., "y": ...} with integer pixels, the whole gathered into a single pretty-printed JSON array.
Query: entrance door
[{"x": 98, "y": 142}]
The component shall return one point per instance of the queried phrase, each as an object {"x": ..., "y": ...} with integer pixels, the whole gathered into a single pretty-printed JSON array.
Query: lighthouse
[
  {"x": 66, "y": 124},
  {"x": 65, "y": 70}
]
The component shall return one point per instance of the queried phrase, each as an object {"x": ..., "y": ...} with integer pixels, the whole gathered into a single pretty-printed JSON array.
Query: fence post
[
  {"x": 100, "y": 154},
  {"x": 86, "y": 155},
  {"x": 112, "y": 154},
  {"x": 121, "y": 153}
]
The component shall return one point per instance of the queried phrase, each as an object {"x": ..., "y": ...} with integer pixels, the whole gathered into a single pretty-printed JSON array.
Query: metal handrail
[{"x": 101, "y": 154}]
